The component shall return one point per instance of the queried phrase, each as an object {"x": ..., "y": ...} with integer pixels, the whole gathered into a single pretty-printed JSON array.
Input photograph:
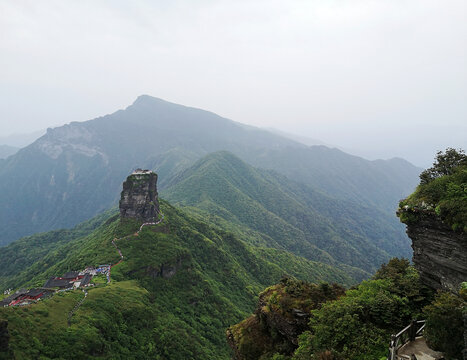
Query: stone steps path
[
  {"x": 420, "y": 349},
  {"x": 151, "y": 223},
  {"x": 78, "y": 304},
  {"x": 137, "y": 233}
]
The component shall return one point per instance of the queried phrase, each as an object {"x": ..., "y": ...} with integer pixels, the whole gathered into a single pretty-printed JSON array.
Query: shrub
[
  {"x": 442, "y": 192},
  {"x": 444, "y": 324},
  {"x": 445, "y": 164},
  {"x": 359, "y": 324}
]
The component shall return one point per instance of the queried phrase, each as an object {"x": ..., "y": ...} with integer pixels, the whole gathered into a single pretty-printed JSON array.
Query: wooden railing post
[
  {"x": 392, "y": 348},
  {"x": 413, "y": 330}
]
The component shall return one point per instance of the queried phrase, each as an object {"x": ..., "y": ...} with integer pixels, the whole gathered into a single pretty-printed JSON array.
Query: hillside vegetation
[
  {"x": 356, "y": 325},
  {"x": 290, "y": 215},
  {"x": 74, "y": 172},
  {"x": 181, "y": 283},
  {"x": 442, "y": 190},
  {"x": 30, "y": 256}
]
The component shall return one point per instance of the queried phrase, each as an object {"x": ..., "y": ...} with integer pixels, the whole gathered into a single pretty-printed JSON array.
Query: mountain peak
[{"x": 147, "y": 99}]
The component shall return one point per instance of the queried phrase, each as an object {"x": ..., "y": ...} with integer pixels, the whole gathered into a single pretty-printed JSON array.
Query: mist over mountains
[
  {"x": 290, "y": 215},
  {"x": 7, "y": 150},
  {"x": 241, "y": 209},
  {"x": 74, "y": 171},
  {"x": 274, "y": 209}
]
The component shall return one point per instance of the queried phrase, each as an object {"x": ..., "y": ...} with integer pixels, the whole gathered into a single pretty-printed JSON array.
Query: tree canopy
[{"x": 445, "y": 164}]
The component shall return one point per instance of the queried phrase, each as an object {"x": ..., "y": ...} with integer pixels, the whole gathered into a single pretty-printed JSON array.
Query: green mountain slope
[
  {"x": 23, "y": 259},
  {"x": 291, "y": 215},
  {"x": 379, "y": 183},
  {"x": 74, "y": 172},
  {"x": 181, "y": 283},
  {"x": 355, "y": 325}
]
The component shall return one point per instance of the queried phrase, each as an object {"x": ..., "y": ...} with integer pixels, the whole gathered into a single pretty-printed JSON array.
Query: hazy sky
[{"x": 381, "y": 78}]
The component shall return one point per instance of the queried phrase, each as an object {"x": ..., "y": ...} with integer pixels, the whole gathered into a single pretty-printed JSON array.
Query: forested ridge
[
  {"x": 74, "y": 172},
  {"x": 215, "y": 279}
]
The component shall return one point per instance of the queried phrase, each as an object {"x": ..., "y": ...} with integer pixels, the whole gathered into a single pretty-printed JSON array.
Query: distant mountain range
[
  {"x": 21, "y": 140},
  {"x": 75, "y": 171},
  {"x": 290, "y": 215},
  {"x": 301, "y": 139}
]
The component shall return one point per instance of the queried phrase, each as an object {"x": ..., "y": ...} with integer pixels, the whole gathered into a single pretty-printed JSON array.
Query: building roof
[
  {"x": 85, "y": 280},
  {"x": 38, "y": 291},
  {"x": 34, "y": 292},
  {"x": 54, "y": 282},
  {"x": 12, "y": 297},
  {"x": 70, "y": 275}
]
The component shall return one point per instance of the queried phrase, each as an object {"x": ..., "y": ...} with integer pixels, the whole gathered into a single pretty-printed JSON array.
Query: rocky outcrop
[
  {"x": 165, "y": 270},
  {"x": 439, "y": 253},
  {"x": 282, "y": 314},
  {"x": 287, "y": 324},
  {"x": 139, "y": 199}
]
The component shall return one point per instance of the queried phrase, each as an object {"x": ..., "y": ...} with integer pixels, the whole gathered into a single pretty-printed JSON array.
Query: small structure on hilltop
[{"x": 139, "y": 198}]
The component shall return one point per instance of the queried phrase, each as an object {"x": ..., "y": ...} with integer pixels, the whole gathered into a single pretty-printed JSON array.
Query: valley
[
  {"x": 85, "y": 162},
  {"x": 237, "y": 227},
  {"x": 214, "y": 274}
]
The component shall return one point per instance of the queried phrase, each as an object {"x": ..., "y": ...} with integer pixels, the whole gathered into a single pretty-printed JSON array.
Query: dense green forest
[
  {"x": 290, "y": 215},
  {"x": 30, "y": 256},
  {"x": 358, "y": 324},
  {"x": 181, "y": 314},
  {"x": 355, "y": 325},
  {"x": 443, "y": 191},
  {"x": 75, "y": 171}
]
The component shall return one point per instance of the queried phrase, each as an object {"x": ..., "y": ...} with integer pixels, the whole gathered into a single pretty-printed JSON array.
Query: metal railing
[{"x": 409, "y": 333}]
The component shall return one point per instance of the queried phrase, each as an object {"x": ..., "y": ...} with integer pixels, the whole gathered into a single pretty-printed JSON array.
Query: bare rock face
[
  {"x": 139, "y": 198},
  {"x": 287, "y": 324},
  {"x": 167, "y": 269},
  {"x": 439, "y": 253}
]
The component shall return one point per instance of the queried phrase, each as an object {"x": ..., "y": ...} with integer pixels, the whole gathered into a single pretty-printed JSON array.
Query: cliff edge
[
  {"x": 436, "y": 219},
  {"x": 282, "y": 314},
  {"x": 439, "y": 253}
]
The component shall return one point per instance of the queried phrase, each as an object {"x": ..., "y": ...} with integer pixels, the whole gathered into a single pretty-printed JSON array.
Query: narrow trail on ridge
[
  {"x": 79, "y": 303},
  {"x": 137, "y": 233}
]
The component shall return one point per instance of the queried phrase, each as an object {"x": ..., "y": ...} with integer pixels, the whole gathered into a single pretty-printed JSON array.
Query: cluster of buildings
[
  {"x": 26, "y": 297},
  {"x": 68, "y": 281}
]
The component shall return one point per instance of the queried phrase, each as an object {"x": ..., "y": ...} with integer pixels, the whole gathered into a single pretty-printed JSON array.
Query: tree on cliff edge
[{"x": 445, "y": 164}]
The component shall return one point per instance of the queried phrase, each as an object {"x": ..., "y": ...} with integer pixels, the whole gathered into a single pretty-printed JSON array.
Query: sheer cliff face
[
  {"x": 139, "y": 198},
  {"x": 440, "y": 254}
]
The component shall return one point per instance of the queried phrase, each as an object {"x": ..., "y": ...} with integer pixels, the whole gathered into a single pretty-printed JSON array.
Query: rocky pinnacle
[{"x": 139, "y": 198}]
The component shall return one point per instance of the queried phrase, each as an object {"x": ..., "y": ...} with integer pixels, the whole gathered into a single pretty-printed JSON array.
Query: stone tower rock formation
[{"x": 139, "y": 198}]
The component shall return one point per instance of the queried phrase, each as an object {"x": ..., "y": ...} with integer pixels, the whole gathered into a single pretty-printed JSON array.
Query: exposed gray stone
[
  {"x": 439, "y": 253},
  {"x": 139, "y": 198}
]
